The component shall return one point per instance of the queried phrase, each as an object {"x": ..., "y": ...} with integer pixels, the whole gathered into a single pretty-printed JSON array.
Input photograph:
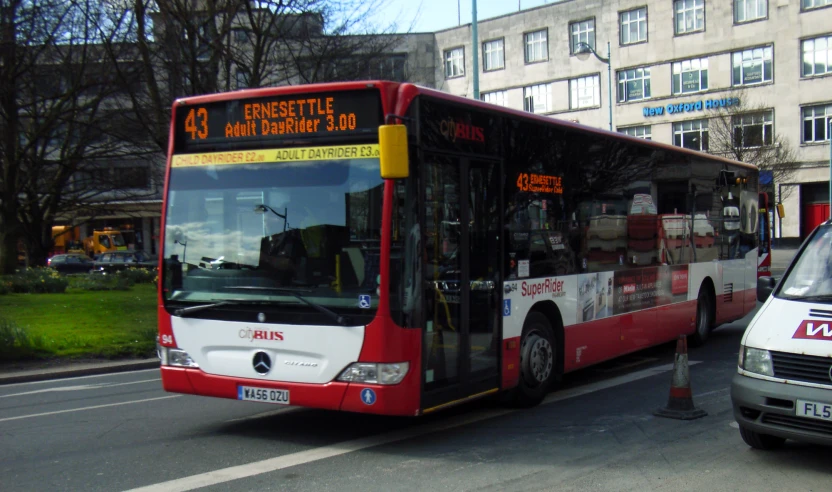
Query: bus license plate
[
  {"x": 814, "y": 410},
  {"x": 264, "y": 395}
]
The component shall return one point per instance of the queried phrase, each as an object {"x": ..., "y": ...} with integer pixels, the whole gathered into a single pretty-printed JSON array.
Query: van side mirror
[
  {"x": 392, "y": 143},
  {"x": 765, "y": 285}
]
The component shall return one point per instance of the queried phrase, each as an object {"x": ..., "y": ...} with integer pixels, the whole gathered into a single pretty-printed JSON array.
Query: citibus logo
[
  {"x": 549, "y": 286},
  {"x": 814, "y": 330},
  {"x": 453, "y": 130},
  {"x": 264, "y": 335}
]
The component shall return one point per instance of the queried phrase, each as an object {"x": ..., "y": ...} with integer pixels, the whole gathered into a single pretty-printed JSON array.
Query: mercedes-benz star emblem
[
  {"x": 262, "y": 363},
  {"x": 830, "y": 373}
]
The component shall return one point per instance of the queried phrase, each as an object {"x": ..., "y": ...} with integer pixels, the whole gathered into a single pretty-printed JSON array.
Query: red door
[{"x": 814, "y": 214}]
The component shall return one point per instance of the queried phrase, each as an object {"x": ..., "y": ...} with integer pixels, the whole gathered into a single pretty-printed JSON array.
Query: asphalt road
[{"x": 122, "y": 431}]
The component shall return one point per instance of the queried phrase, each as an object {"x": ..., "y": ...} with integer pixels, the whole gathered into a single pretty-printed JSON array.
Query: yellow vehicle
[
  {"x": 66, "y": 239},
  {"x": 104, "y": 241}
]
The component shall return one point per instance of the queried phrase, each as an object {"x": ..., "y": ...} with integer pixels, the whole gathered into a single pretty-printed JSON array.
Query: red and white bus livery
[{"x": 383, "y": 248}]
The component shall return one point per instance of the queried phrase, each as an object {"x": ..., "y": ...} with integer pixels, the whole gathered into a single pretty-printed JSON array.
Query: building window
[
  {"x": 493, "y": 55},
  {"x": 633, "y": 84},
  {"x": 813, "y": 4},
  {"x": 585, "y": 92},
  {"x": 240, "y": 79},
  {"x": 454, "y": 62},
  {"x": 752, "y": 66},
  {"x": 582, "y": 32},
  {"x": 690, "y": 76},
  {"x": 689, "y": 15},
  {"x": 388, "y": 67},
  {"x": 691, "y": 134},
  {"x": 750, "y": 10},
  {"x": 633, "y": 26},
  {"x": 496, "y": 97},
  {"x": 817, "y": 56},
  {"x": 816, "y": 123},
  {"x": 537, "y": 46},
  {"x": 753, "y": 130},
  {"x": 240, "y": 35},
  {"x": 536, "y": 98},
  {"x": 644, "y": 131},
  {"x": 125, "y": 178}
]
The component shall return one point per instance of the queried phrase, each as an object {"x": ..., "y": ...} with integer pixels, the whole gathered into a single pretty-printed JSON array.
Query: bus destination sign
[
  {"x": 540, "y": 183},
  {"x": 278, "y": 117}
]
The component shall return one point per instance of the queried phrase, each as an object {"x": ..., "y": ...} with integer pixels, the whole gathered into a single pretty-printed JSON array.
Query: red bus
[{"x": 384, "y": 248}]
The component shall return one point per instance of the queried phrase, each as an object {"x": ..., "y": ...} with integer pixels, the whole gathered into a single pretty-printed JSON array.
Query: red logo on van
[{"x": 814, "y": 330}]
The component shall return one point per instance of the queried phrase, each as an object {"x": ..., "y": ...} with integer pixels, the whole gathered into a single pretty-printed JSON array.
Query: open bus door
[{"x": 764, "y": 248}]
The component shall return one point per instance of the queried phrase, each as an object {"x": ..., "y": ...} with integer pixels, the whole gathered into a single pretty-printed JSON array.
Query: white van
[{"x": 783, "y": 386}]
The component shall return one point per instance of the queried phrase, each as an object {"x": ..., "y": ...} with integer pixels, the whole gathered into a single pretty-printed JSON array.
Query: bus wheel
[
  {"x": 704, "y": 317},
  {"x": 537, "y": 360}
]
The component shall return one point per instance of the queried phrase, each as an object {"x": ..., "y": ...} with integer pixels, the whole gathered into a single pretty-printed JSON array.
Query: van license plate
[
  {"x": 265, "y": 395},
  {"x": 814, "y": 410}
]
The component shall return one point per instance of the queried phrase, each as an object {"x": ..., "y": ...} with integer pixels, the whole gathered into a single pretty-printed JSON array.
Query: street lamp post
[
  {"x": 829, "y": 136},
  {"x": 584, "y": 49}
]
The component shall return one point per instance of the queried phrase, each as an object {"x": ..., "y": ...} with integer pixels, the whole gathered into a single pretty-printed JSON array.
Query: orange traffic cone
[{"x": 680, "y": 404}]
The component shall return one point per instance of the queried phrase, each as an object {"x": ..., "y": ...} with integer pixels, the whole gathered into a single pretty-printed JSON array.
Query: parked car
[
  {"x": 115, "y": 261},
  {"x": 70, "y": 263},
  {"x": 783, "y": 385}
]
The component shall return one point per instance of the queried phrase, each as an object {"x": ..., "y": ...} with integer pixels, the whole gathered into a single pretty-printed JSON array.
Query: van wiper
[
  {"x": 341, "y": 320},
  {"x": 820, "y": 298}
]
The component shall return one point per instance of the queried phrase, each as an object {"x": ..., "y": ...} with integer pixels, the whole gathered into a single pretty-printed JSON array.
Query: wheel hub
[{"x": 537, "y": 359}]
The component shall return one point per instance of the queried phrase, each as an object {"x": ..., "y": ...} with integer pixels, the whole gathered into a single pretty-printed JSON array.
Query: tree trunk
[
  {"x": 38, "y": 251},
  {"x": 8, "y": 247}
]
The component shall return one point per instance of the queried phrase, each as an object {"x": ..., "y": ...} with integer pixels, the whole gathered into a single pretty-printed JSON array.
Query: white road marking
[
  {"x": 281, "y": 462},
  {"x": 19, "y": 417},
  {"x": 12, "y": 385},
  {"x": 79, "y": 387}
]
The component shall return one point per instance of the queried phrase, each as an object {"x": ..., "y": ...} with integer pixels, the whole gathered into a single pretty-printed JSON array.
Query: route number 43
[
  {"x": 196, "y": 123},
  {"x": 167, "y": 339}
]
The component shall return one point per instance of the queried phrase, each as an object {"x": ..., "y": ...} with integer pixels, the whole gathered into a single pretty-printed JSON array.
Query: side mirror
[
  {"x": 392, "y": 142},
  {"x": 765, "y": 285}
]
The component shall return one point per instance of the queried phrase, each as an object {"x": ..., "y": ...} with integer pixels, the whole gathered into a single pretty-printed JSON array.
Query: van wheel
[
  {"x": 538, "y": 363},
  {"x": 704, "y": 317},
  {"x": 760, "y": 441}
]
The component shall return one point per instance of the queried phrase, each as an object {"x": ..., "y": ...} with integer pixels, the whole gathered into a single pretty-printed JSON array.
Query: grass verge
[{"x": 80, "y": 323}]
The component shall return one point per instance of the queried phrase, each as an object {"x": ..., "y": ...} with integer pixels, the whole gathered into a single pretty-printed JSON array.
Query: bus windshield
[{"x": 267, "y": 231}]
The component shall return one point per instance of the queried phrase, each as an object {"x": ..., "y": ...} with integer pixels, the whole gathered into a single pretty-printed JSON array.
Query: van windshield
[{"x": 811, "y": 277}]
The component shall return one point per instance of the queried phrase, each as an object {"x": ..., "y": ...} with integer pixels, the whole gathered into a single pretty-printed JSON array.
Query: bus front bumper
[{"x": 351, "y": 397}]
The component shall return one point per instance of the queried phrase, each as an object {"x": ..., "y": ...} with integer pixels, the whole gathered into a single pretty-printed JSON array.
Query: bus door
[{"x": 462, "y": 322}]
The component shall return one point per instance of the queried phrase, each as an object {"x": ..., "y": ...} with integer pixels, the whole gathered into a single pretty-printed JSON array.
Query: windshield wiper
[
  {"x": 341, "y": 320},
  {"x": 182, "y": 312}
]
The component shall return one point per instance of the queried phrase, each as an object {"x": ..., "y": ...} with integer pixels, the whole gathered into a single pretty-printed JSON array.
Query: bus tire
[
  {"x": 538, "y": 363},
  {"x": 704, "y": 317}
]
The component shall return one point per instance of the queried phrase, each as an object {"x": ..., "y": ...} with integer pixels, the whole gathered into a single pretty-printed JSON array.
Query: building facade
[{"x": 674, "y": 65}]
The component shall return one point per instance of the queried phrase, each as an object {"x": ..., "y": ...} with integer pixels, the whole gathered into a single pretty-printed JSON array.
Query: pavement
[{"x": 28, "y": 371}]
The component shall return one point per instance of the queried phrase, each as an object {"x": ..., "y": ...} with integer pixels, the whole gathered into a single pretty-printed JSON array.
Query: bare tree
[
  {"x": 744, "y": 131},
  {"x": 190, "y": 47},
  {"x": 61, "y": 135}
]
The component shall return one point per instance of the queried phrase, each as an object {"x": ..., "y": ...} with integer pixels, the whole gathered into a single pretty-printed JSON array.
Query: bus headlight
[
  {"x": 363, "y": 372},
  {"x": 756, "y": 361},
  {"x": 176, "y": 357}
]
